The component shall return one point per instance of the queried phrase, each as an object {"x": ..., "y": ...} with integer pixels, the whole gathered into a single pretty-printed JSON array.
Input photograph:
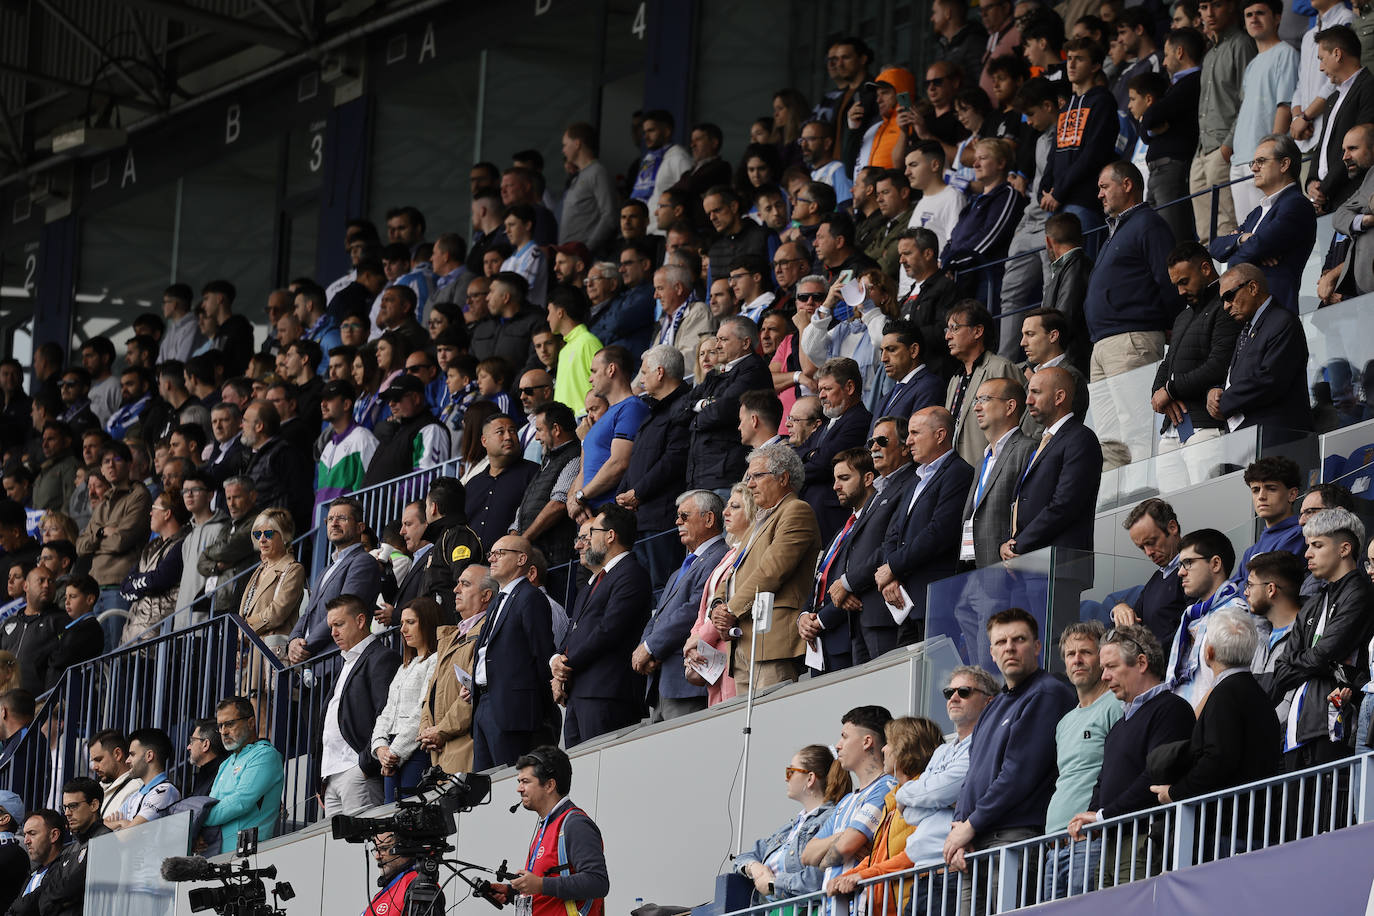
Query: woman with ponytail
[{"x": 816, "y": 780}]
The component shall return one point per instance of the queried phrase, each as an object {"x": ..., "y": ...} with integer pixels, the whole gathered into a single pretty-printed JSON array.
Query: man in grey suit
[
  {"x": 700, "y": 526},
  {"x": 987, "y": 510},
  {"x": 969, "y": 335},
  {"x": 352, "y": 571},
  {"x": 1355, "y": 275}
]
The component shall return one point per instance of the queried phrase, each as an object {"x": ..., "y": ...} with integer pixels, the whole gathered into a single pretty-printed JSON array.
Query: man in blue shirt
[
  {"x": 1274, "y": 483},
  {"x": 606, "y": 450}
]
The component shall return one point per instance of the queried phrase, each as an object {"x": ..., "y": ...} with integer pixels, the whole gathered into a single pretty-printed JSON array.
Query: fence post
[
  {"x": 1364, "y": 811},
  {"x": 1185, "y": 832},
  {"x": 1007, "y": 878}
]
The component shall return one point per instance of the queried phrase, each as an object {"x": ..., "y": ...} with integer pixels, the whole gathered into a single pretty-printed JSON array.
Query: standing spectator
[
  {"x": 1003, "y": 39},
  {"x": 1169, "y": 125},
  {"x": 32, "y": 634},
  {"x": 607, "y": 447},
  {"x": 1329, "y": 645},
  {"x": 1205, "y": 560},
  {"x": 272, "y": 600},
  {"x": 568, "y": 311},
  {"x": 14, "y": 862},
  {"x": 1066, "y": 287},
  {"x": 248, "y": 786},
  {"x": 840, "y": 385},
  {"x": 348, "y": 447},
  {"x": 1153, "y": 527},
  {"x": 81, "y": 638},
  {"x": 97, "y": 358},
  {"x": 589, "y": 210},
  {"x": 1057, "y": 493},
  {"x": 508, "y": 330},
  {"x": 592, "y": 673},
  {"x": 445, "y": 717},
  {"x": 716, "y": 457},
  {"x": 984, "y": 232},
  {"x": 1132, "y": 668},
  {"x": 961, "y": 42},
  {"x": 684, "y": 318},
  {"x": 1355, "y": 274},
  {"x": 1328, "y": 183},
  {"x": 151, "y": 585},
  {"x": 234, "y": 337},
  {"x": 351, "y": 571},
  {"x": 921, "y": 544},
  {"x": 916, "y": 383},
  {"x": 227, "y": 452},
  {"x": 998, "y": 407},
  {"x": 939, "y": 205},
  {"x": 1079, "y": 740},
  {"x": 543, "y": 514},
  {"x": 708, "y": 169},
  {"x": 1202, "y": 343},
  {"x": 232, "y": 553},
  {"x": 819, "y": 155},
  {"x": 1085, "y": 141},
  {"x": 628, "y": 319},
  {"x": 348, "y": 771},
  {"x": 455, "y": 544},
  {"x": 893, "y": 193},
  {"x": 1278, "y": 234},
  {"x": 1130, "y": 301},
  {"x": 412, "y": 439},
  {"x": 735, "y": 237},
  {"x": 1312, "y": 83},
  {"x": 179, "y": 337},
  {"x": 930, "y": 293},
  {"x": 55, "y": 482},
  {"x": 1023, "y": 278},
  {"x": 396, "y": 734},
  {"x": 969, "y": 333},
  {"x": 118, "y": 527},
  {"x": 661, "y": 165},
  {"x": 1007, "y": 789},
  {"x": 1268, "y": 84},
  {"x": 523, "y": 185},
  {"x": 1266, "y": 384},
  {"x": 495, "y": 493},
  {"x": 1223, "y": 76},
  {"x": 281, "y": 474}
]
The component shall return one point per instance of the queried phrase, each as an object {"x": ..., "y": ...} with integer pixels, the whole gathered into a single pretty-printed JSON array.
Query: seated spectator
[
  {"x": 513, "y": 315},
  {"x": 205, "y": 752},
  {"x": 248, "y": 787},
  {"x": 1153, "y": 528},
  {"x": 494, "y": 494},
  {"x": 56, "y": 479},
  {"x": 910, "y": 743},
  {"x": 984, "y": 231},
  {"x": 1273, "y": 589},
  {"x": 32, "y": 634},
  {"x": 968, "y": 333},
  {"x": 151, "y": 586},
  {"x": 607, "y": 447},
  {"x": 684, "y": 319},
  {"x": 109, "y": 759},
  {"x": 81, "y": 638},
  {"x": 779, "y": 557},
  {"x": 1007, "y": 790},
  {"x": 849, "y": 831},
  {"x": 1205, "y": 559},
  {"x": 818, "y": 782},
  {"x": 234, "y": 552},
  {"x": 225, "y": 458},
  {"x": 1278, "y": 234},
  {"x": 1275, "y": 482},
  {"x": 272, "y": 599},
  {"x": 74, "y": 409},
  {"x": 396, "y": 734},
  {"x": 16, "y": 715},
  {"x": 1200, "y": 350},
  {"x": 350, "y": 572},
  {"x": 136, "y": 397},
  {"x": 1329, "y": 645},
  {"x": 840, "y": 384},
  {"x": 836, "y": 249},
  {"x": 43, "y": 839},
  {"x": 1270, "y": 358},
  {"x": 14, "y": 860},
  {"x": 412, "y": 439},
  {"x": 627, "y": 319},
  {"x": 282, "y": 474},
  {"x": 1235, "y": 741},
  {"x": 1132, "y": 668},
  {"x": 1079, "y": 739},
  {"x": 149, "y": 752},
  {"x": 445, "y": 718},
  {"x": 60, "y": 558},
  {"x": 119, "y": 526}
]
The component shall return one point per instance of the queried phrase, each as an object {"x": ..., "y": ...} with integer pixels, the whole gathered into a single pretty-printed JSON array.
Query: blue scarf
[{"x": 1194, "y": 613}]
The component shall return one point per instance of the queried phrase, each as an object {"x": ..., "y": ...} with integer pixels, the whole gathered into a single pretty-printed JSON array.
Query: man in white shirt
[
  {"x": 818, "y": 152},
  {"x": 149, "y": 751},
  {"x": 179, "y": 337},
  {"x": 940, "y": 205}
]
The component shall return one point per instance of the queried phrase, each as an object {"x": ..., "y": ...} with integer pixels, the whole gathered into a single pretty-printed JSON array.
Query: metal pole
[{"x": 748, "y": 730}]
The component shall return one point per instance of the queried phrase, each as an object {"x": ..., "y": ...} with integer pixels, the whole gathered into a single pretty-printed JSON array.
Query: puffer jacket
[{"x": 152, "y": 585}]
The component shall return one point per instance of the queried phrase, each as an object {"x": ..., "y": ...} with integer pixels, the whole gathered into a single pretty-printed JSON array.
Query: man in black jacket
[
  {"x": 412, "y": 439},
  {"x": 32, "y": 633},
  {"x": 716, "y": 459},
  {"x": 841, "y": 392},
  {"x": 1153, "y": 527},
  {"x": 14, "y": 859},
  {"x": 1202, "y": 343},
  {"x": 283, "y": 476},
  {"x": 456, "y": 545},
  {"x": 1066, "y": 284},
  {"x": 350, "y": 775},
  {"x": 80, "y": 639},
  {"x": 43, "y": 831},
  {"x": 543, "y": 514},
  {"x": 233, "y": 552}
]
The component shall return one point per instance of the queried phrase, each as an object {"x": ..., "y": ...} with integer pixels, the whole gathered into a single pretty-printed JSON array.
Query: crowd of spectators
[{"x": 813, "y": 376}]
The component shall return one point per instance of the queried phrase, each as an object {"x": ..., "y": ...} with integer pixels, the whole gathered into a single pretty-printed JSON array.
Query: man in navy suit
[
  {"x": 353, "y": 571},
  {"x": 349, "y": 774},
  {"x": 916, "y": 385},
  {"x": 1278, "y": 235},
  {"x": 1056, "y": 500},
  {"x": 711, "y": 410},
  {"x": 592, "y": 675},
  {"x": 1267, "y": 381},
  {"x": 847, "y": 420},
  {"x": 700, "y": 522},
  {"x": 922, "y": 539},
  {"x": 513, "y": 708}
]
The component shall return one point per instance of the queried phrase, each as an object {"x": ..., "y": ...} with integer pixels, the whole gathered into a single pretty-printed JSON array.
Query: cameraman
[
  {"x": 397, "y": 874},
  {"x": 567, "y": 860}
]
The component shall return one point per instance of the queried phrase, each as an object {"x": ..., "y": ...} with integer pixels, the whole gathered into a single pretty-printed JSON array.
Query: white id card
[{"x": 966, "y": 545}]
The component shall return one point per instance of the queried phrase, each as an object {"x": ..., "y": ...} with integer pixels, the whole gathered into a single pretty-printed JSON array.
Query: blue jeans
[
  {"x": 1362, "y": 736},
  {"x": 1072, "y": 869}
]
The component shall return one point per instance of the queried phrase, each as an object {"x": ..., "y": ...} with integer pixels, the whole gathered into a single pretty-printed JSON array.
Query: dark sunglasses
[
  {"x": 964, "y": 692},
  {"x": 265, "y": 534},
  {"x": 1230, "y": 295},
  {"x": 809, "y": 297},
  {"x": 880, "y": 441},
  {"x": 533, "y": 388},
  {"x": 935, "y": 83}
]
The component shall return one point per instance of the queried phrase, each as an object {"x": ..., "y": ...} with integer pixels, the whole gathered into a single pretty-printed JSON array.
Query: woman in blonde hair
[
  {"x": 9, "y": 671},
  {"x": 817, "y": 781},
  {"x": 910, "y": 744},
  {"x": 739, "y": 515},
  {"x": 272, "y": 600}
]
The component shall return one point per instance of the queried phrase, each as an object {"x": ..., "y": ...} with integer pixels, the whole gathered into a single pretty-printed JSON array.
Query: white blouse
[{"x": 404, "y": 702}]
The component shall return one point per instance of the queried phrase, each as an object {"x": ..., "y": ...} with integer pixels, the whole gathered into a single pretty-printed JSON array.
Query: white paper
[
  {"x": 464, "y": 679},
  {"x": 815, "y": 658},
  {"x": 900, "y": 612},
  {"x": 853, "y": 293},
  {"x": 763, "y": 611},
  {"x": 713, "y": 662}
]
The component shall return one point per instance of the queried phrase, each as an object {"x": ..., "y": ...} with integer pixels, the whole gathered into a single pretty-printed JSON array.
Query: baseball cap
[
  {"x": 575, "y": 250},
  {"x": 13, "y": 805},
  {"x": 403, "y": 385},
  {"x": 339, "y": 388}
]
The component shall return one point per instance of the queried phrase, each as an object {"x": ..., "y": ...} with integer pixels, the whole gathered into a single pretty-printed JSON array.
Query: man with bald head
[
  {"x": 1354, "y": 218},
  {"x": 1266, "y": 383},
  {"x": 513, "y": 703},
  {"x": 922, "y": 539},
  {"x": 535, "y": 390},
  {"x": 1056, "y": 499}
]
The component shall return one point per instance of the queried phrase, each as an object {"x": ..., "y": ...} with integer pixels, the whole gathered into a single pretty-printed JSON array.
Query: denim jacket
[{"x": 793, "y": 879}]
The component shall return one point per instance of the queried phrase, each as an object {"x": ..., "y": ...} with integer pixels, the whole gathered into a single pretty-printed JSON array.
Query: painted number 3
[{"x": 316, "y": 152}]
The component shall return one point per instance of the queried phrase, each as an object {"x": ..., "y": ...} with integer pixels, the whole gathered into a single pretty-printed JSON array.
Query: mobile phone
[
  {"x": 845, "y": 276},
  {"x": 904, "y": 100}
]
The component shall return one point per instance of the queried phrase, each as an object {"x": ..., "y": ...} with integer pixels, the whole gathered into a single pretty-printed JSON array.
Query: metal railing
[{"x": 1116, "y": 851}]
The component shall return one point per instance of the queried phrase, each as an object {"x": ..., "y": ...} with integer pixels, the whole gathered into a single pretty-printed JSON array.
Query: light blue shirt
[
  {"x": 1270, "y": 79},
  {"x": 928, "y": 802}
]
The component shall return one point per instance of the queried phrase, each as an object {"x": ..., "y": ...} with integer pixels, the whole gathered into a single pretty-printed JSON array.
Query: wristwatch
[{"x": 580, "y": 497}]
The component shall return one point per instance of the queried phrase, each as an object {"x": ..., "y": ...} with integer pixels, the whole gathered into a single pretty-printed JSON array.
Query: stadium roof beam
[
  {"x": 225, "y": 25},
  {"x": 95, "y": 48}
]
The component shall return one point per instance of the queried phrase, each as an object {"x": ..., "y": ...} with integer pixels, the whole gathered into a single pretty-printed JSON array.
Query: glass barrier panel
[
  {"x": 1340, "y": 363},
  {"x": 1193, "y": 463},
  {"x": 939, "y": 658},
  {"x": 959, "y": 607},
  {"x": 123, "y": 869},
  {"x": 1348, "y": 457}
]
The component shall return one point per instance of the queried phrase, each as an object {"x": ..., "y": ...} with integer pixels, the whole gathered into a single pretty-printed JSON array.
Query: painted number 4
[{"x": 638, "y": 27}]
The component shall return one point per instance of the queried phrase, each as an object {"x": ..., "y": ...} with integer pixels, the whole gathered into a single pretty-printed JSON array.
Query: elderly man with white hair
[
  {"x": 779, "y": 558},
  {"x": 684, "y": 319}
]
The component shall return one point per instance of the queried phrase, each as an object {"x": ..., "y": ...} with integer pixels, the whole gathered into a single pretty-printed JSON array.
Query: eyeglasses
[
  {"x": 792, "y": 771},
  {"x": 593, "y": 529},
  {"x": 497, "y": 551},
  {"x": 265, "y": 534},
  {"x": 984, "y": 398},
  {"x": 751, "y": 477},
  {"x": 964, "y": 692},
  {"x": 880, "y": 441},
  {"x": 581, "y": 539},
  {"x": 954, "y": 328},
  {"x": 229, "y": 722},
  {"x": 192, "y": 491},
  {"x": 792, "y": 419},
  {"x": 935, "y": 83},
  {"x": 809, "y": 297},
  {"x": 1261, "y": 160},
  {"x": 1186, "y": 563},
  {"x": 70, "y": 807},
  {"x": 682, "y": 516},
  {"x": 530, "y": 390},
  {"x": 66, "y": 384}
]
